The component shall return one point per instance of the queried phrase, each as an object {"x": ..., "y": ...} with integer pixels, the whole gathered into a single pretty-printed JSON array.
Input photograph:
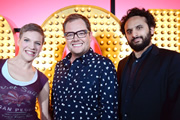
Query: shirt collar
[
  {"x": 83, "y": 58},
  {"x": 143, "y": 55}
]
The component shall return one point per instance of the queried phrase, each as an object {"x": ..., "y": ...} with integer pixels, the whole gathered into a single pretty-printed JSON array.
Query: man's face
[
  {"x": 138, "y": 33},
  {"x": 77, "y": 45}
]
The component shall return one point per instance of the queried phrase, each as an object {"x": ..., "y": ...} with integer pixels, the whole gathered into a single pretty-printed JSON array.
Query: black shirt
[{"x": 128, "y": 86}]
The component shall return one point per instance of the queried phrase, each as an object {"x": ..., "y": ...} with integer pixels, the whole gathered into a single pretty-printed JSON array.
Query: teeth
[
  {"x": 77, "y": 45},
  {"x": 29, "y": 52}
]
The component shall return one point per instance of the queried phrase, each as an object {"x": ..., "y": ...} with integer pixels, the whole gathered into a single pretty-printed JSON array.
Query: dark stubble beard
[{"x": 145, "y": 42}]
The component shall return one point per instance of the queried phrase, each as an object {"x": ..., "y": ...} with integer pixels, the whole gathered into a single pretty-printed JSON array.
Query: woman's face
[{"x": 30, "y": 45}]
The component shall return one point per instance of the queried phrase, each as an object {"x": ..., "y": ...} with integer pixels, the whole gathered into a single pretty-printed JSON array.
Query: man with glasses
[{"x": 85, "y": 85}]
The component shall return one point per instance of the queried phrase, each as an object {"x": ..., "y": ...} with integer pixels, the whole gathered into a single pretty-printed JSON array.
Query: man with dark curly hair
[{"x": 149, "y": 77}]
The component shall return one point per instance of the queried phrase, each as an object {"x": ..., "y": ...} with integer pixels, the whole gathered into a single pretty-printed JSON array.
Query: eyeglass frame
[{"x": 76, "y": 33}]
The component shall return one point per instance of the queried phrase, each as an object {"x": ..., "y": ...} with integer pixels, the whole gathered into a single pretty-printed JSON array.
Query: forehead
[
  {"x": 75, "y": 25},
  {"x": 135, "y": 21},
  {"x": 33, "y": 35}
]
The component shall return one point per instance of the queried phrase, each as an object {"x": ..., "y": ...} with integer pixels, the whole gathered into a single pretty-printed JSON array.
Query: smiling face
[
  {"x": 138, "y": 33},
  {"x": 77, "y": 46},
  {"x": 30, "y": 45}
]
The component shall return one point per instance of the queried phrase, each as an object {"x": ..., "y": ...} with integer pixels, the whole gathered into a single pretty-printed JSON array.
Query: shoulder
[
  {"x": 42, "y": 77},
  {"x": 123, "y": 62},
  {"x": 163, "y": 52},
  {"x": 59, "y": 64},
  {"x": 168, "y": 54},
  {"x": 2, "y": 61},
  {"x": 101, "y": 59},
  {"x": 124, "y": 59}
]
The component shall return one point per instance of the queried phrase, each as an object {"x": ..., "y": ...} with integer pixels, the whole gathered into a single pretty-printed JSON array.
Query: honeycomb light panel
[
  {"x": 167, "y": 30},
  {"x": 106, "y": 29},
  {"x": 104, "y": 26},
  {"x": 7, "y": 44}
]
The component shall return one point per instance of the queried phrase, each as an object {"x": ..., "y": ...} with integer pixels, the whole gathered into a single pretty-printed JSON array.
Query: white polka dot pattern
[{"x": 86, "y": 89}]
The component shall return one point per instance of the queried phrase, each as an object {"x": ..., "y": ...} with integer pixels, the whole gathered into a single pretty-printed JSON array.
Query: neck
[
  {"x": 21, "y": 63},
  {"x": 139, "y": 53},
  {"x": 73, "y": 57}
]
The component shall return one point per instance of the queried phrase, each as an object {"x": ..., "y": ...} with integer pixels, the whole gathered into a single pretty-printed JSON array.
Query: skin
[
  {"x": 136, "y": 27},
  {"x": 77, "y": 46},
  {"x": 30, "y": 45}
]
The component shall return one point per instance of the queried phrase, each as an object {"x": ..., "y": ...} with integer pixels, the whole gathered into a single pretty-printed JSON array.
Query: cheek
[
  {"x": 128, "y": 37},
  {"x": 23, "y": 45},
  {"x": 39, "y": 48},
  {"x": 68, "y": 45}
]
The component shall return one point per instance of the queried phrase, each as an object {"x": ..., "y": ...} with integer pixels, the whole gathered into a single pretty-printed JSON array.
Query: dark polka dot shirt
[{"x": 87, "y": 89}]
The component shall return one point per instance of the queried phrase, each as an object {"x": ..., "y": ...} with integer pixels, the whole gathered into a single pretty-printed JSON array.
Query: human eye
[
  {"x": 129, "y": 31},
  {"x": 37, "y": 43},
  {"x": 26, "y": 40},
  {"x": 82, "y": 33},
  {"x": 139, "y": 27},
  {"x": 69, "y": 34}
]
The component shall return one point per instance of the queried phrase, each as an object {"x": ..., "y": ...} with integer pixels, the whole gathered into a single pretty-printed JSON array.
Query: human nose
[
  {"x": 134, "y": 33},
  {"x": 75, "y": 37},
  {"x": 32, "y": 45}
]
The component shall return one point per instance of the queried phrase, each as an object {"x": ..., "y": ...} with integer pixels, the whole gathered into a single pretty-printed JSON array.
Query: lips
[
  {"x": 136, "y": 40},
  {"x": 30, "y": 52}
]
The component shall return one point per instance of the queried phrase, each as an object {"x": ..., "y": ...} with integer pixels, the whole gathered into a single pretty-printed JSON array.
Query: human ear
[
  {"x": 90, "y": 35},
  {"x": 152, "y": 30},
  {"x": 18, "y": 42}
]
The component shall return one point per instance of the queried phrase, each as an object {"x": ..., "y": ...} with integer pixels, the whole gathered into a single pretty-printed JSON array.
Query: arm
[
  {"x": 108, "y": 93},
  {"x": 43, "y": 99},
  {"x": 172, "y": 103}
]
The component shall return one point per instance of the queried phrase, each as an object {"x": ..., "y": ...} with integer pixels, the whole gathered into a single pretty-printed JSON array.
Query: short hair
[
  {"x": 76, "y": 16},
  {"x": 31, "y": 27},
  {"x": 150, "y": 20}
]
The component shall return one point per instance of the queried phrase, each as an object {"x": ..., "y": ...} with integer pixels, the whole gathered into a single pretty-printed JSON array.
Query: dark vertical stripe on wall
[
  {"x": 113, "y": 6},
  {"x": 16, "y": 29}
]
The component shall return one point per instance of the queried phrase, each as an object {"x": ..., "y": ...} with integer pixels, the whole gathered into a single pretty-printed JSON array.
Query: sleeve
[
  {"x": 53, "y": 90},
  {"x": 172, "y": 104},
  {"x": 2, "y": 61},
  {"x": 43, "y": 78},
  {"x": 108, "y": 92}
]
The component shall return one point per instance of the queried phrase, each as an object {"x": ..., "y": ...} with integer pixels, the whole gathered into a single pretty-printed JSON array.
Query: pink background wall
[
  {"x": 20, "y": 12},
  {"x": 122, "y": 6}
]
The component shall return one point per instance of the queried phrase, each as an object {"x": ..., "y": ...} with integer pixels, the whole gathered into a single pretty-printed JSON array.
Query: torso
[{"x": 18, "y": 98}]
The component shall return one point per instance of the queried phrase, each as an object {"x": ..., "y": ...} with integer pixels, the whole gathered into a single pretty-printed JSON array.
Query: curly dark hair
[{"x": 138, "y": 12}]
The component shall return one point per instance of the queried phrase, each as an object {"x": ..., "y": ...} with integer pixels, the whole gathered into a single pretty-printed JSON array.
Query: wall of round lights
[{"x": 105, "y": 28}]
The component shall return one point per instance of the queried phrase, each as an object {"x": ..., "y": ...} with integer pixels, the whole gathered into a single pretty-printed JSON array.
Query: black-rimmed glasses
[{"x": 80, "y": 34}]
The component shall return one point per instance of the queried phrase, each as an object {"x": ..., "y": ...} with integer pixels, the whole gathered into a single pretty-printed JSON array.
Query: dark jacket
[{"x": 157, "y": 92}]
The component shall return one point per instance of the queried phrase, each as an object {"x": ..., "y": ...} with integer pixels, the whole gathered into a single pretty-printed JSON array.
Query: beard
[{"x": 145, "y": 42}]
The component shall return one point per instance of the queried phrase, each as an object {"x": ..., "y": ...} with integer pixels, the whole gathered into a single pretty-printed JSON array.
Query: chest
[{"x": 83, "y": 80}]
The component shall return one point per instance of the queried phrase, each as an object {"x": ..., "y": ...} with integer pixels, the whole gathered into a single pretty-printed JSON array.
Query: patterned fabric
[
  {"x": 87, "y": 89},
  {"x": 17, "y": 102}
]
